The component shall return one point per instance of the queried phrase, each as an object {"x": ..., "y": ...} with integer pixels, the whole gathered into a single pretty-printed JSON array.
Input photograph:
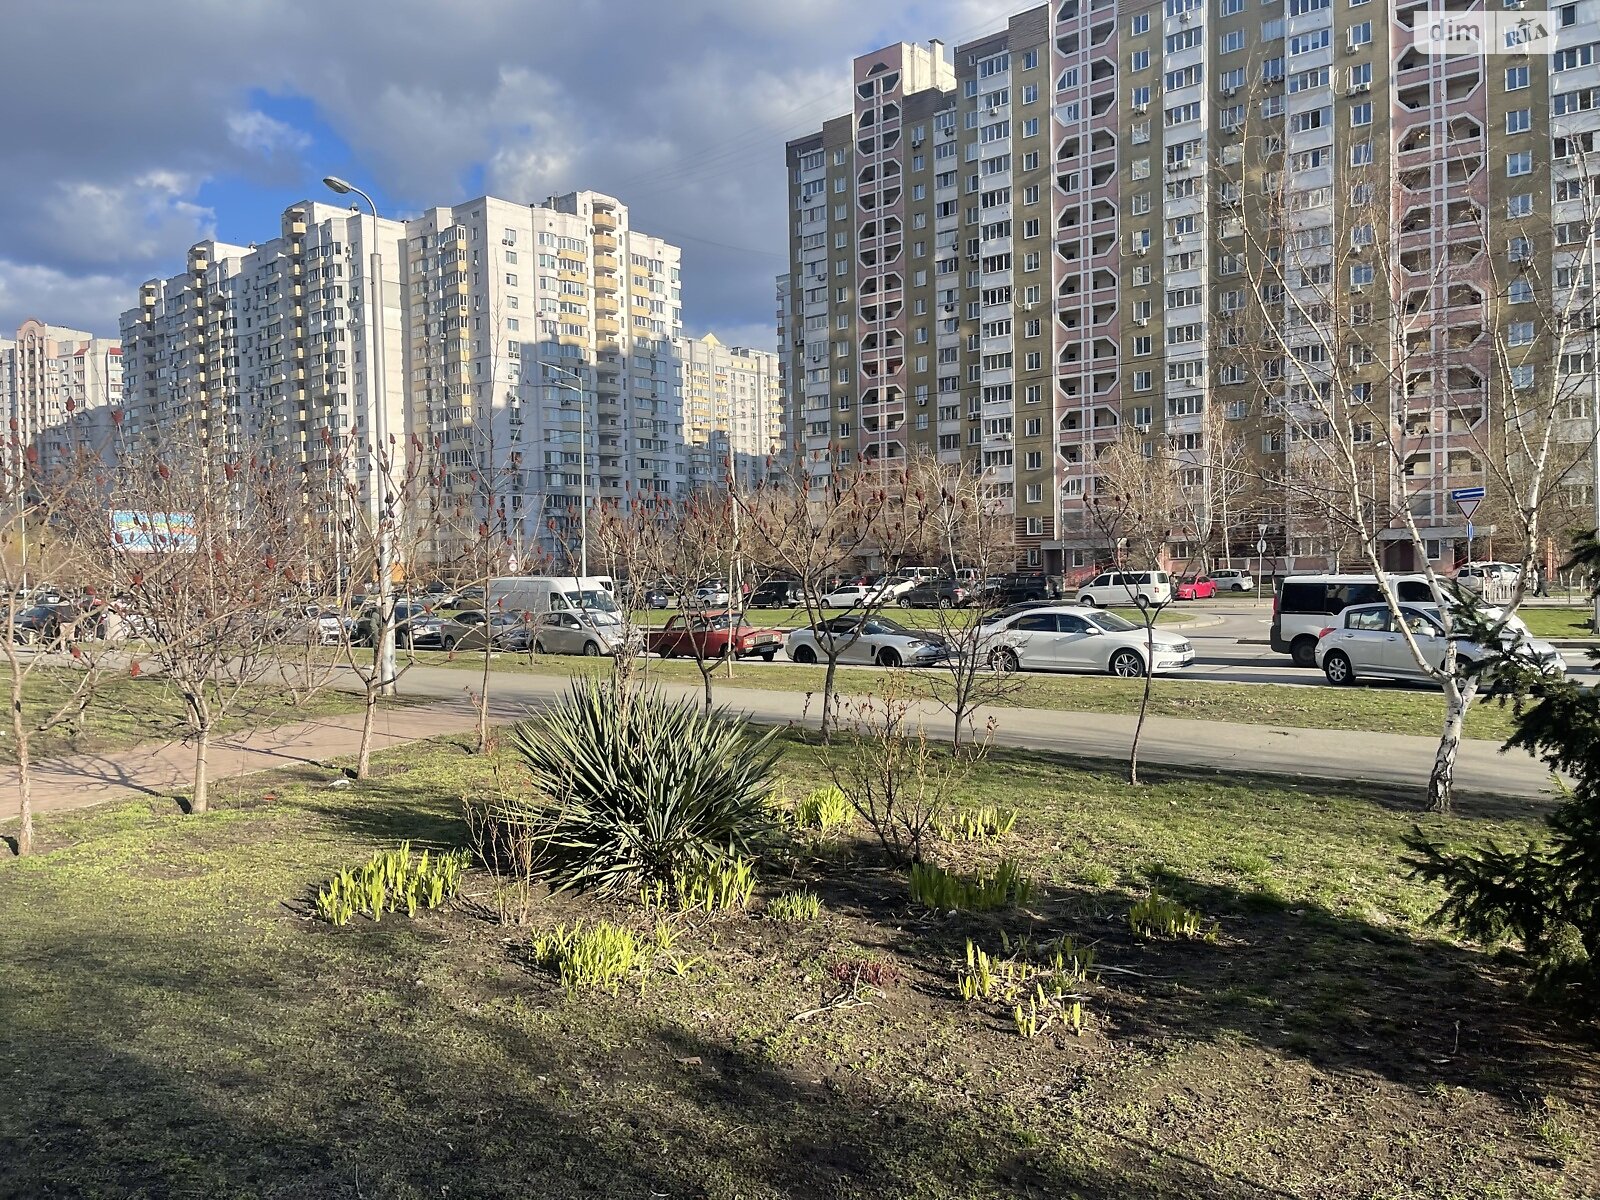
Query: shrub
[
  {"x": 390, "y": 880},
  {"x": 796, "y": 907},
  {"x": 639, "y": 788},
  {"x": 601, "y": 956},
  {"x": 985, "y": 824},
  {"x": 825, "y": 808},
  {"x": 1157, "y": 916},
  {"x": 934, "y": 887}
]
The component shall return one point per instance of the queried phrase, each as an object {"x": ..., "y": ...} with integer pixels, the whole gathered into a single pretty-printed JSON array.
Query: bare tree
[
  {"x": 1135, "y": 506},
  {"x": 1392, "y": 364},
  {"x": 965, "y": 531},
  {"x": 818, "y": 528},
  {"x": 208, "y": 539},
  {"x": 49, "y": 512}
]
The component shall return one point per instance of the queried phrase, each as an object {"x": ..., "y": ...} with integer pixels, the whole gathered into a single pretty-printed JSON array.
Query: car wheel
[
  {"x": 804, "y": 654},
  {"x": 538, "y": 647},
  {"x": 1087, "y": 601},
  {"x": 1337, "y": 668},
  {"x": 1005, "y": 661},
  {"x": 944, "y": 602},
  {"x": 888, "y": 657},
  {"x": 904, "y": 603},
  {"x": 447, "y": 644},
  {"x": 769, "y": 655},
  {"x": 1127, "y": 664},
  {"x": 591, "y": 649},
  {"x": 1304, "y": 651}
]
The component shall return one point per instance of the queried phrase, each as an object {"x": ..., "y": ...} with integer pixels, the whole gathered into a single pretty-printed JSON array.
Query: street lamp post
[
  {"x": 583, "y": 459},
  {"x": 382, "y": 492}
]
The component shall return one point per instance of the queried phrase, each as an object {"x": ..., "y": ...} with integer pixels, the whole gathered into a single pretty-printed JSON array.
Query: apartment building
[
  {"x": 519, "y": 343},
  {"x": 1010, "y": 255},
  {"x": 58, "y": 387},
  {"x": 275, "y": 344},
  {"x": 732, "y": 412}
]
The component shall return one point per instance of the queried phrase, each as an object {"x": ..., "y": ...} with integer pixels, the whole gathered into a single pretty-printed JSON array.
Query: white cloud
[
  {"x": 255, "y": 132},
  {"x": 90, "y": 302},
  {"x": 108, "y": 222}
]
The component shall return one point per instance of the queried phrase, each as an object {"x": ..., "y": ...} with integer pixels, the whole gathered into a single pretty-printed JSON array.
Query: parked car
[
  {"x": 312, "y": 624},
  {"x": 1301, "y": 609},
  {"x": 1231, "y": 580},
  {"x": 853, "y": 595},
  {"x": 1201, "y": 587},
  {"x": 712, "y": 593},
  {"x": 47, "y": 623},
  {"x": 1126, "y": 588},
  {"x": 576, "y": 632},
  {"x": 866, "y": 640},
  {"x": 416, "y": 626},
  {"x": 1069, "y": 637},
  {"x": 644, "y": 595},
  {"x": 504, "y": 631},
  {"x": 708, "y": 635},
  {"x": 935, "y": 593},
  {"x": 1017, "y": 588},
  {"x": 1365, "y": 643},
  {"x": 1483, "y": 577},
  {"x": 778, "y": 593}
]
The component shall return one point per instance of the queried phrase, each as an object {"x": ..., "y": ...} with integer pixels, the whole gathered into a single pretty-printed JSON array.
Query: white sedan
[
  {"x": 873, "y": 640},
  {"x": 1070, "y": 637}
]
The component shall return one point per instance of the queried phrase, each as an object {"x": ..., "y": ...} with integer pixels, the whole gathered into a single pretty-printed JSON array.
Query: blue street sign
[
  {"x": 1472, "y": 493},
  {"x": 1467, "y": 500}
]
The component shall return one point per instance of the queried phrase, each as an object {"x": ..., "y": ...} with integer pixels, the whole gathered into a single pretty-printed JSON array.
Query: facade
[
  {"x": 58, "y": 387},
  {"x": 732, "y": 412},
  {"x": 1010, "y": 256},
  {"x": 477, "y": 306}
]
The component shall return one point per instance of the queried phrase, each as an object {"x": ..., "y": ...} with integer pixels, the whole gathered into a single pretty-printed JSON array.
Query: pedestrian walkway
[{"x": 440, "y": 706}]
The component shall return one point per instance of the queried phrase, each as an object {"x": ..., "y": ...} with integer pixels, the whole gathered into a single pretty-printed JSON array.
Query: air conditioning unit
[
  {"x": 1175, "y": 239},
  {"x": 1357, "y": 89},
  {"x": 1351, "y": 48},
  {"x": 1230, "y": 92},
  {"x": 1141, "y": 322},
  {"x": 1183, "y": 18},
  {"x": 1141, "y": 251}
]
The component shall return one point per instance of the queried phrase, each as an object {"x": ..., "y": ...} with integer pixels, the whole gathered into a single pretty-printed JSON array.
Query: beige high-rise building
[
  {"x": 732, "y": 412},
  {"x": 1015, "y": 254},
  {"x": 59, "y": 386},
  {"x": 522, "y": 343}
]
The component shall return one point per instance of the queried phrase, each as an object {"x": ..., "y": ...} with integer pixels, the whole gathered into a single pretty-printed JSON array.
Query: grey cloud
[{"x": 680, "y": 109}]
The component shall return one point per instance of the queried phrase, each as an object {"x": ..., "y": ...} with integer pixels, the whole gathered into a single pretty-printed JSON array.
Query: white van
[
  {"x": 1303, "y": 606},
  {"x": 1126, "y": 588},
  {"x": 540, "y": 594}
]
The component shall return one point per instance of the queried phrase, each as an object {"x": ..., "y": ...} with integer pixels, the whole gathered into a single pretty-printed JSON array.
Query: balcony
[
  {"x": 606, "y": 283},
  {"x": 604, "y": 220},
  {"x": 604, "y": 241}
]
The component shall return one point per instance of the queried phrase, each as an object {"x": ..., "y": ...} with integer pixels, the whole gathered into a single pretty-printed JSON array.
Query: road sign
[
  {"x": 1261, "y": 546},
  {"x": 1467, "y": 500}
]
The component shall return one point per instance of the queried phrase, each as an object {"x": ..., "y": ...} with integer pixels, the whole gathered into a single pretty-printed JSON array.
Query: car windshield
[
  {"x": 1110, "y": 622},
  {"x": 37, "y": 612},
  {"x": 597, "y": 599},
  {"x": 884, "y": 625}
]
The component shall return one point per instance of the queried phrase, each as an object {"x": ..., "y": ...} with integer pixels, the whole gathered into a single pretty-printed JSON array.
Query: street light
[
  {"x": 583, "y": 459},
  {"x": 380, "y": 489}
]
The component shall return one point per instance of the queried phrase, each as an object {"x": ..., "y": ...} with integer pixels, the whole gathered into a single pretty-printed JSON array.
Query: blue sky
[{"x": 134, "y": 130}]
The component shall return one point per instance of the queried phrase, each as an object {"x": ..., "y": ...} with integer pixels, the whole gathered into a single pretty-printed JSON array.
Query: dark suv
[
  {"x": 777, "y": 593},
  {"x": 1018, "y": 587},
  {"x": 935, "y": 593}
]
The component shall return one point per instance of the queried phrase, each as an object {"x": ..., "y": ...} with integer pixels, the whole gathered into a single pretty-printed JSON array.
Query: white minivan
[
  {"x": 1301, "y": 609},
  {"x": 540, "y": 594},
  {"x": 1126, "y": 589}
]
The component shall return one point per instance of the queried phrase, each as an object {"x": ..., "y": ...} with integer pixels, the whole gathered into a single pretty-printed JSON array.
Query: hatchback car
[
  {"x": 1367, "y": 644},
  {"x": 1201, "y": 587},
  {"x": 1074, "y": 638},
  {"x": 934, "y": 593},
  {"x": 575, "y": 633},
  {"x": 854, "y": 595},
  {"x": 873, "y": 640},
  {"x": 1230, "y": 580}
]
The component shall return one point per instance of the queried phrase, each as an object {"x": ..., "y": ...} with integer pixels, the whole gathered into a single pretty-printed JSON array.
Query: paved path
[{"x": 1391, "y": 761}]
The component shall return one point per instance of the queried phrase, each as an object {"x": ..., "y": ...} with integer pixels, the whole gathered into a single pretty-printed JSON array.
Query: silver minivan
[{"x": 1365, "y": 643}]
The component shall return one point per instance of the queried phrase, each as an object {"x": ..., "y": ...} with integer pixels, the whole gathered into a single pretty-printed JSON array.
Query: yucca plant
[{"x": 638, "y": 789}]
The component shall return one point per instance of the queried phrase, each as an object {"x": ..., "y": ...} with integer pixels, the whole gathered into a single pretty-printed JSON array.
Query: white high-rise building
[
  {"x": 732, "y": 411},
  {"x": 58, "y": 387}
]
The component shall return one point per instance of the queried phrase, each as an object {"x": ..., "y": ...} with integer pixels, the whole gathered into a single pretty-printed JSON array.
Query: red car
[
  {"x": 708, "y": 635},
  {"x": 1201, "y": 587}
]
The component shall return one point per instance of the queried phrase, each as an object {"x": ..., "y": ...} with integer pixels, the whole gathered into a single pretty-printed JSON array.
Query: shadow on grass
[{"x": 156, "y": 1068}]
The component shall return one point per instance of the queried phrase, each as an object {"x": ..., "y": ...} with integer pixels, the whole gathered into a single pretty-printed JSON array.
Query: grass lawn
[
  {"x": 176, "y": 1024},
  {"x": 1558, "y": 622},
  {"x": 1379, "y": 709},
  {"x": 126, "y": 711}
]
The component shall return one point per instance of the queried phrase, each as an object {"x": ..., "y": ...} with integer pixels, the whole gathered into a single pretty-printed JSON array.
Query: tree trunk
[
  {"x": 827, "y": 694},
  {"x": 19, "y": 733},
  {"x": 1441, "y": 781},
  {"x": 483, "y": 700},
  {"x": 368, "y": 716},
  {"x": 1144, "y": 703},
  {"x": 202, "y": 781},
  {"x": 707, "y": 670}
]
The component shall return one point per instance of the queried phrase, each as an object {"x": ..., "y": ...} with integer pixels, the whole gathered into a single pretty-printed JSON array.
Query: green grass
[
  {"x": 126, "y": 711},
  {"x": 1558, "y": 622},
  {"x": 1379, "y": 709},
  {"x": 176, "y": 1024}
]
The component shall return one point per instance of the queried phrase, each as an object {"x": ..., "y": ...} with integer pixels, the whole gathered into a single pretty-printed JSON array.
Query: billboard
[{"x": 149, "y": 532}]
